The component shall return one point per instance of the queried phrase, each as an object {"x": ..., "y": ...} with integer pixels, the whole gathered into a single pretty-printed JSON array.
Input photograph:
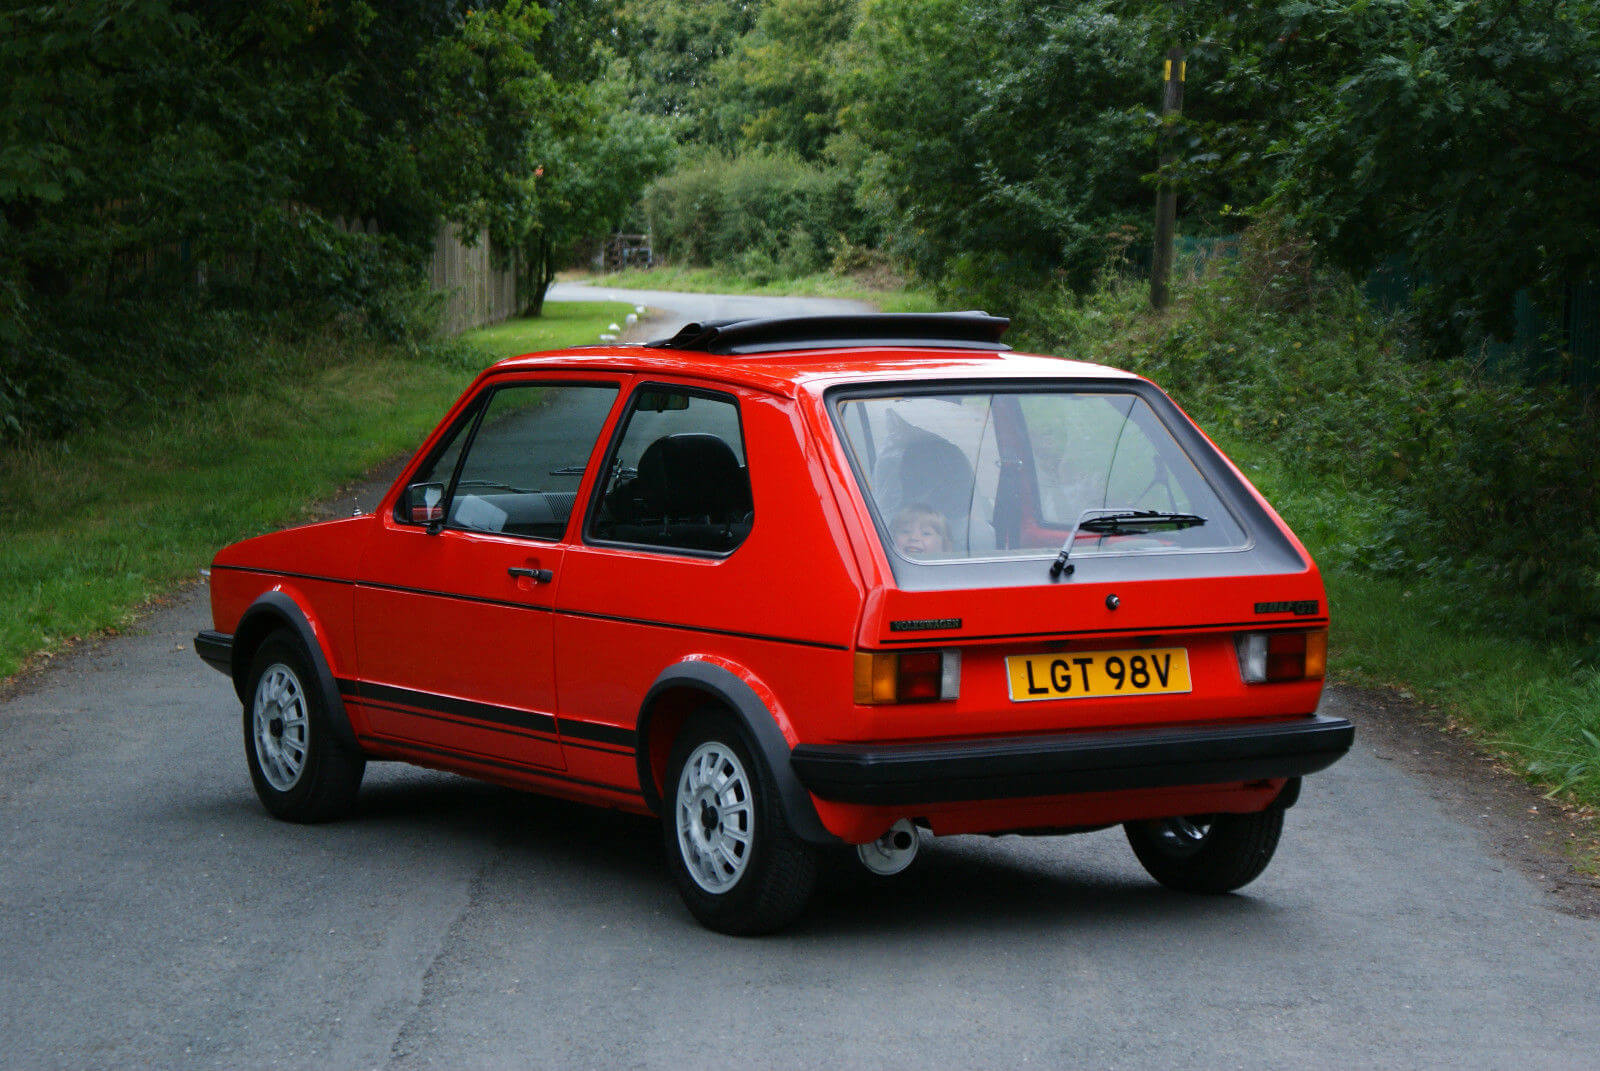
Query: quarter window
[{"x": 678, "y": 477}]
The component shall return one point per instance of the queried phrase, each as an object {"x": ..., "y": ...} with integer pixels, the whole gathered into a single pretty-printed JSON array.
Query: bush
[
  {"x": 762, "y": 214},
  {"x": 1488, "y": 489}
]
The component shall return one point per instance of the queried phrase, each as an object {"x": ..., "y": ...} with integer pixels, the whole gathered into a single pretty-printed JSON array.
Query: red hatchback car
[{"x": 797, "y": 583}]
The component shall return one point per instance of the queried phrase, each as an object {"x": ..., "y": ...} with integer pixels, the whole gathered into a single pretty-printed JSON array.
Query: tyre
[
  {"x": 1207, "y": 853},
  {"x": 300, "y": 770},
  {"x": 738, "y": 866}
]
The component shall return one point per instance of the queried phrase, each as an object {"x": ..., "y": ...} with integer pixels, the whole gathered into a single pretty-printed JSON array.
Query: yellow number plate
[{"x": 1088, "y": 674}]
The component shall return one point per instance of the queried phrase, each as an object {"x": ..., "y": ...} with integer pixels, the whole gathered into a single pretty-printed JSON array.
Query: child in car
[{"x": 920, "y": 531}]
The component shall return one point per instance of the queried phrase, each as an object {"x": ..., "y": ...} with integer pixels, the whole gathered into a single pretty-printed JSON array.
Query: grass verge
[
  {"x": 102, "y": 523},
  {"x": 892, "y": 298}
]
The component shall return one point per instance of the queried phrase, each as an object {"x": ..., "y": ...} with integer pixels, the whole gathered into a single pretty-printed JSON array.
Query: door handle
[{"x": 538, "y": 576}]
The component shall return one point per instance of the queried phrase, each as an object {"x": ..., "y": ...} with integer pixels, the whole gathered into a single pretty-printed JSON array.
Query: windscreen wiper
[{"x": 1120, "y": 522}]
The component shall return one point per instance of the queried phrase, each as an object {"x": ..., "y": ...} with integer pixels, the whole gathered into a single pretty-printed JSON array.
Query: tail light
[
  {"x": 907, "y": 676},
  {"x": 1282, "y": 656}
]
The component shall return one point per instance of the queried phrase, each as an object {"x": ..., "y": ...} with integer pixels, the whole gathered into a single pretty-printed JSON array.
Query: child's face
[{"x": 919, "y": 534}]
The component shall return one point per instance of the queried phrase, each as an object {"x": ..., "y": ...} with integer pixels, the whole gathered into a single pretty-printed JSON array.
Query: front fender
[
  {"x": 270, "y": 612},
  {"x": 721, "y": 685}
]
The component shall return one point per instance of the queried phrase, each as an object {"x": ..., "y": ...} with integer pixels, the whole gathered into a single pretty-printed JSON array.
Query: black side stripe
[
  {"x": 497, "y": 764},
  {"x": 600, "y": 734},
  {"x": 461, "y": 708},
  {"x": 521, "y": 734},
  {"x": 520, "y": 722}
]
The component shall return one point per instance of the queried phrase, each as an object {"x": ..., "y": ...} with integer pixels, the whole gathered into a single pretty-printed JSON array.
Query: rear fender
[{"x": 685, "y": 687}]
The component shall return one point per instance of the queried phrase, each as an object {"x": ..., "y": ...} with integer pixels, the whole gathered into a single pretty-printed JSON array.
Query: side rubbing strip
[
  {"x": 600, "y": 734},
  {"x": 461, "y": 708}
]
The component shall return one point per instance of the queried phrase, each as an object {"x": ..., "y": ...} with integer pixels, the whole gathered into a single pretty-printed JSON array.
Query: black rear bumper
[
  {"x": 1062, "y": 764},
  {"x": 216, "y": 648}
]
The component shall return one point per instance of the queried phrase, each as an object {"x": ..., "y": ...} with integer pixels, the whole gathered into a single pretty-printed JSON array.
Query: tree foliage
[
  {"x": 671, "y": 47},
  {"x": 158, "y": 154},
  {"x": 1001, "y": 135},
  {"x": 1461, "y": 135},
  {"x": 590, "y": 178},
  {"x": 774, "y": 89}
]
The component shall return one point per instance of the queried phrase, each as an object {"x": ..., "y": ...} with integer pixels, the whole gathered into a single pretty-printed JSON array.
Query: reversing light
[
  {"x": 1282, "y": 656},
  {"x": 907, "y": 676}
]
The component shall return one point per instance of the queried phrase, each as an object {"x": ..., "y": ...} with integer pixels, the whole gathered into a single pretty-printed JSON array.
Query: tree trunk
[{"x": 541, "y": 273}]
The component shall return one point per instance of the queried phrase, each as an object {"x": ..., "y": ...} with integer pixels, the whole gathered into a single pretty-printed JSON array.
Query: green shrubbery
[
  {"x": 1487, "y": 490},
  {"x": 762, "y": 214},
  {"x": 180, "y": 178}
]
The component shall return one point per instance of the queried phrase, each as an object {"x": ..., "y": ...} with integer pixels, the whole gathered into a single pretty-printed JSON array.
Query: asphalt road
[{"x": 151, "y": 914}]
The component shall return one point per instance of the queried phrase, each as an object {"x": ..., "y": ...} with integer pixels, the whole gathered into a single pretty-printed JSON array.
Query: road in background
[
  {"x": 674, "y": 309},
  {"x": 151, "y": 913}
]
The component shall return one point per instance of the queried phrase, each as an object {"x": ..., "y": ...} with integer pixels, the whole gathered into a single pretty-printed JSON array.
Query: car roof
[{"x": 812, "y": 353}]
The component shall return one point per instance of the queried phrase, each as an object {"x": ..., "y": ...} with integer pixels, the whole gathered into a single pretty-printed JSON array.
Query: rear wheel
[
  {"x": 300, "y": 771},
  {"x": 738, "y": 866},
  {"x": 1207, "y": 853}
]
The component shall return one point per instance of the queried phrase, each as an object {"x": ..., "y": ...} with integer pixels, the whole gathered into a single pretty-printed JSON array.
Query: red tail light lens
[
  {"x": 907, "y": 676},
  {"x": 1265, "y": 657}
]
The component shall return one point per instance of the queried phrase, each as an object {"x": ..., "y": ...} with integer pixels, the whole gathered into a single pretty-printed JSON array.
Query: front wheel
[
  {"x": 1207, "y": 853},
  {"x": 738, "y": 866},
  {"x": 300, "y": 771}
]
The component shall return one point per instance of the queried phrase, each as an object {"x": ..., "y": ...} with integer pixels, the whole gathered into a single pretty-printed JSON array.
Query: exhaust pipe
[{"x": 894, "y": 851}]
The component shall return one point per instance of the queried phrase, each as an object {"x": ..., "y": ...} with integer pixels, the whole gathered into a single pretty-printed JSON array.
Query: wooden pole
[{"x": 1166, "y": 193}]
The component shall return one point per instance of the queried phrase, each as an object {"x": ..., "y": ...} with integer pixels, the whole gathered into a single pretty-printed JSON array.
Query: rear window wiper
[{"x": 1120, "y": 522}]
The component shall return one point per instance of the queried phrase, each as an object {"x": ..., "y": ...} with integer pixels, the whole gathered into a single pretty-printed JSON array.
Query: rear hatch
[{"x": 1068, "y": 555}]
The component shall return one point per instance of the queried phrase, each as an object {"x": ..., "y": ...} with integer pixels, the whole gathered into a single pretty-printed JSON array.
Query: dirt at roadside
[{"x": 1549, "y": 842}]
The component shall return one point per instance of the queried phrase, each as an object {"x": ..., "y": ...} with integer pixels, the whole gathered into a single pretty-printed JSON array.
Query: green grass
[
  {"x": 564, "y": 323},
  {"x": 893, "y": 298},
  {"x": 101, "y": 524}
]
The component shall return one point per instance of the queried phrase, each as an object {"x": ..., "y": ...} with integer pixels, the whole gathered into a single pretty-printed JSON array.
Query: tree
[
  {"x": 671, "y": 46},
  {"x": 774, "y": 90},
  {"x": 589, "y": 177},
  {"x": 1001, "y": 142},
  {"x": 1461, "y": 135}
]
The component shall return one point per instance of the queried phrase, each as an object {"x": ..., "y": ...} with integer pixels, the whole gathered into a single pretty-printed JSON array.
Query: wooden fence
[{"x": 476, "y": 291}]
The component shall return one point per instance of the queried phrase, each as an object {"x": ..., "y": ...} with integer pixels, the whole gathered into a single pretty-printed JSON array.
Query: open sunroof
[{"x": 937, "y": 330}]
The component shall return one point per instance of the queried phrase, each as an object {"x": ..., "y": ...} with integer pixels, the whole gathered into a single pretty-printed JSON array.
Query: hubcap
[
  {"x": 281, "y": 727},
  {"x": 715, "y": 817}
]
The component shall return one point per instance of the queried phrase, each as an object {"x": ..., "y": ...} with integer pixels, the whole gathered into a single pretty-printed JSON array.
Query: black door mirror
[{"x": 425, "y": 503}]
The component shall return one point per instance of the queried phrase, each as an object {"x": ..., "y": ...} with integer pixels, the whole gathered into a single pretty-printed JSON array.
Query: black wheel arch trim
[
  {"x": 761, "y": 727},
  {"x": 274, "y": 610},
  {"x": 1061, "y": 764}
]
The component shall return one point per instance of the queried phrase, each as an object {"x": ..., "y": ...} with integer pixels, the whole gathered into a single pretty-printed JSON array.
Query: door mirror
[{"x": 425, "y": 503}]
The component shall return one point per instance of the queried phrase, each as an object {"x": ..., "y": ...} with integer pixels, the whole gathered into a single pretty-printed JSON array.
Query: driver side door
[{"x": 453, "y": 616}]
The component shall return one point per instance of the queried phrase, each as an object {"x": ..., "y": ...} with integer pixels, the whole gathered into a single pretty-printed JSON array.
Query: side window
[
  {"x": 677, "y": 476},
  {"x": 516, "y": 470}
]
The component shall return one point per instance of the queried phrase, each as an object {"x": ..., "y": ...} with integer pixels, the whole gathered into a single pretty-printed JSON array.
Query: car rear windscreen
[{"x": 975, "y": 475}]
